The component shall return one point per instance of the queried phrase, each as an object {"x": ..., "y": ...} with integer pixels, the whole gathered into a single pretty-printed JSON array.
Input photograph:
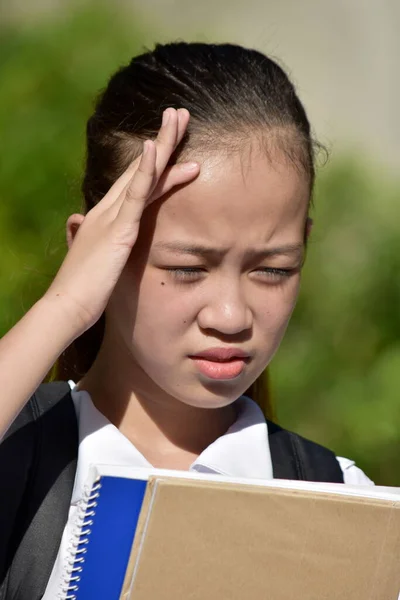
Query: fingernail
[
  {"x": 165, "y": 117},
  {"x": 190, "y": 166}
]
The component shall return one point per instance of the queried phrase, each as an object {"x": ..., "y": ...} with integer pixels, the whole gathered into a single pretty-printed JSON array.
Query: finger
[
  {"x": 117, "y": 191},
  {"x": 167, "y": 138},
  {"x": 183, "y": 121},
  {"x": 171, "y": 133},
  {"x": 176, "y": 175},
  {"x": 141, "y": 183},
  {"x": 140, "y": 186},
  {"x": 173, "y": 176}
]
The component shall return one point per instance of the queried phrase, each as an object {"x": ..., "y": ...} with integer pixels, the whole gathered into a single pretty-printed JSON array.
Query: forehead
[{"x": 239, "y": 197}]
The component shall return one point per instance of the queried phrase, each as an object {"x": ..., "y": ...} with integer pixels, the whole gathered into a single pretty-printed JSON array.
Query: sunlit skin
[{"x": 217, "y": 264}]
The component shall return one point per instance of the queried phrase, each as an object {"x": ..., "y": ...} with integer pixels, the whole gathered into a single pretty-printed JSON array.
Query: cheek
[
  {"x": 164, "y": 310},
  {"x": 275, "y": 309}
]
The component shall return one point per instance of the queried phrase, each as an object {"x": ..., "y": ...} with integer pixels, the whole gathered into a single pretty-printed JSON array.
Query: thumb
[{"x": 173, "y": 176}]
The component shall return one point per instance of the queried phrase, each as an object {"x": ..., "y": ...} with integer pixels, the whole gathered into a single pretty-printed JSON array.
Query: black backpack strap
[
  {"x": 16, "y": 454},
  {"x": 49, "y": 432},
  {"x": 294, "y": 457}
]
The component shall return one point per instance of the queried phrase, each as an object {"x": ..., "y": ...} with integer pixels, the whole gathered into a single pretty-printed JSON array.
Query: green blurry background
[{"x": 336, "y": 377}]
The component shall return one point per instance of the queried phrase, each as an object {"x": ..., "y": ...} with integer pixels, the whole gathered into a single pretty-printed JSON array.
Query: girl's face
[{"x": 216, "y": 267}]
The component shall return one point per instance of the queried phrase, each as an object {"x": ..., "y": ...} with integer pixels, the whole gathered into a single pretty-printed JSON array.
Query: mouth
[{"x": 221, "y": 363}]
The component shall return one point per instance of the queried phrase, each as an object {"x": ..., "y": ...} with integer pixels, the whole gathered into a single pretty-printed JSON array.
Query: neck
[{"x": 168, "y": 432}]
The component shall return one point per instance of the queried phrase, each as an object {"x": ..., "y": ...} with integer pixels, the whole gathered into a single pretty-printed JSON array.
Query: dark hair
[{"x": 230, "y": 92}]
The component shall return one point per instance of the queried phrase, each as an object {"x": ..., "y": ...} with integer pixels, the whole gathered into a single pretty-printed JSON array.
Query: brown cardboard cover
[{"x": 213, "y": 541}]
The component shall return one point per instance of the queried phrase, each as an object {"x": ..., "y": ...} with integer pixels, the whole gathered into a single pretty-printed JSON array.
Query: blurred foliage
[
  {"x": 336, "y": 377},
  {"x": 337, "y": 374},
  {"x": 50, "y": 77}
]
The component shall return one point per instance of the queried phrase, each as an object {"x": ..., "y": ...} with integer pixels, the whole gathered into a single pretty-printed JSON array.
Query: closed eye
[
  {"x": 186, "y": 273},
  {"x": 274, "y": 274},
  {"x": 192, "y": 274}
]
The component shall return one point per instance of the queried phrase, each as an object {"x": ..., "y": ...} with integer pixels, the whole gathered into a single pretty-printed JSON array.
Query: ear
[
  {"x": 73, "y": 224},
  {"x": 308, "y": 228}
]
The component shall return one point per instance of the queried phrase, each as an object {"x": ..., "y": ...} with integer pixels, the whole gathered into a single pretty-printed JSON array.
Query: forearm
[
  {"x": 99, "y": 249},
  {"x": 27, "y": 353}
]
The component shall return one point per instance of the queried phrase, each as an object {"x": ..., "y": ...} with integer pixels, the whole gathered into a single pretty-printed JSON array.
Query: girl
[{"x": 176, "y": 291}]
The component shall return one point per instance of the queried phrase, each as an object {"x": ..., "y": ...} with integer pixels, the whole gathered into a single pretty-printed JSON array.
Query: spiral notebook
[{"x": 146, "y": 534}]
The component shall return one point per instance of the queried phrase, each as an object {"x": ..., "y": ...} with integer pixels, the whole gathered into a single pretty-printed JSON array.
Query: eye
[
  {"x": 273, "y": 274},
  {"x": 186, "y": 273}
]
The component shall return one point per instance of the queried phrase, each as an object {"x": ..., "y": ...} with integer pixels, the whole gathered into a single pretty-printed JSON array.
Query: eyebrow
[{"x": 209, "y": 252}]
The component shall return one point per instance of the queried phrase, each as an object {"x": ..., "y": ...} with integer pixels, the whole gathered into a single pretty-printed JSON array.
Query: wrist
[{"x": 60, "y": 316}]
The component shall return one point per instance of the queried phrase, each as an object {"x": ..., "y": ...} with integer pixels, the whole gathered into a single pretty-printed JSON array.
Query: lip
[
  {"x": 222, "y": 354},
  {"x": 221, "y": 363}
]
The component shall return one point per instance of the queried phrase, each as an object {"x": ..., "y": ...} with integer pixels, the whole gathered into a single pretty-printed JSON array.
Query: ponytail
[{"x": 77, "y": 359}]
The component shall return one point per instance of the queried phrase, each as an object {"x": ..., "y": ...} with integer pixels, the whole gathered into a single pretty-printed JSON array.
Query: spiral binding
[{"x": 78, "y": 545}]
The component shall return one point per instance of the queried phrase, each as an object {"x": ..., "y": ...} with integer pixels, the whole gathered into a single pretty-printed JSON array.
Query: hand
[{"x": 107, "y": 234}]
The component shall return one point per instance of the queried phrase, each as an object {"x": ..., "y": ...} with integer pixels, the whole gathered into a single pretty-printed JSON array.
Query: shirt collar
[
  {"x": 100, "y": 442},
  {"x": 243, "y": 451}
]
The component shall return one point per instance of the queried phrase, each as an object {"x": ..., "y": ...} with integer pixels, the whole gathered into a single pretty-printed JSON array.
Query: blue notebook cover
[{"x": 107, "y": 537}]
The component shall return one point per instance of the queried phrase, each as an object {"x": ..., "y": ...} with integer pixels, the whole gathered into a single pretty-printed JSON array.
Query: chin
[{"x": 212, "y": 395}]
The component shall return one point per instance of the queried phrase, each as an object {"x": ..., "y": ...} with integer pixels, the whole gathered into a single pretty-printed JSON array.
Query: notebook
[{"x": 145, "y": 534}]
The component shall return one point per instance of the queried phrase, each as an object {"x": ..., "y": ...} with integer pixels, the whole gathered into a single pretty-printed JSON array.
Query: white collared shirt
[{"x": 243, "y": 451}]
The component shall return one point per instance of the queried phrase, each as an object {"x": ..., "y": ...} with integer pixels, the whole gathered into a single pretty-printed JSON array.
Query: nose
[{"x": 226, "y": 310}]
